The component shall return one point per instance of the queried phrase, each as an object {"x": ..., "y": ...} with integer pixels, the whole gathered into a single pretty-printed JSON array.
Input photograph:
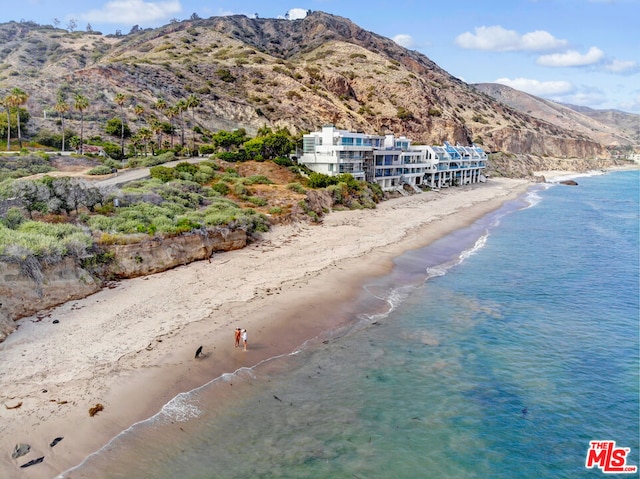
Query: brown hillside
[{"x": 248, "y": 73}]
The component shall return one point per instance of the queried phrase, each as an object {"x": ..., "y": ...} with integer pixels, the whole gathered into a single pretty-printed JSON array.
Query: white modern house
[
  {"x": 389, "y": 161},
  {"x": 450, "y": 165},
  {"x": 396, "y": 164},
  {"x": 333, "y": 152}
]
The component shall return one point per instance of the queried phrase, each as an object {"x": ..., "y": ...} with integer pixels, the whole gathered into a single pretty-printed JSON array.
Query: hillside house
[{"x": 392, "y": 162}]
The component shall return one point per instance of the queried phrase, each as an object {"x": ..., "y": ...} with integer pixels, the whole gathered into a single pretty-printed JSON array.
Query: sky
[{"x": 582, "y": 52}]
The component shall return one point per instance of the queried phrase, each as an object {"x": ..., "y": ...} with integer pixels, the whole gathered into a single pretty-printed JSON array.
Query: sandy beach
[{"x": 131, "y": 347}]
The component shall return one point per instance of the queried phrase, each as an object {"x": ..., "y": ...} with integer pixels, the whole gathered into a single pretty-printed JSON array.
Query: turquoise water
[{"x": 508, "y": 346}]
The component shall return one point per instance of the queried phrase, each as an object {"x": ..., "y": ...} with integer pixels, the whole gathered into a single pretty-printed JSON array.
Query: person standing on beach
[
  {"x": 238, "y": 333},
  {"x": 244, "y": 338}
]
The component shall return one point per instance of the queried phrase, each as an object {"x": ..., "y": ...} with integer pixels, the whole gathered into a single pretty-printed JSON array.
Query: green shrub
[
  {"x": 232, "y": 156},
  {"x": 225, "y": 75},
  {"x": 13, "y": 218},
  {"x": 404, "y": 114},
  {"x": 111, "y": 163},
  {"x": 187, "y": 167},
  {"x": 319, "y": 180},
  {"x": 240, "y": 190},
  {"x": 221, "y": 188},
  {"x": 162, "y": 173},
  {"x": 207, "y": 149},
  {"x": 165, "y": 157},
  {"x": 283, "y": 161},
  {"x": 297, "y": 187},
  {"x": 43, "y": 240},
  {"x": 257, "y": 180},
  {"x": 257, "y": 200},
  {"x": 100, "y": 170}
]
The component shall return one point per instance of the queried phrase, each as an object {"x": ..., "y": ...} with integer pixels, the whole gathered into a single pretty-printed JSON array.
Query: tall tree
[
  {"x": 160, "y": 105},
  {"x": 193, "y": 102},
  {"x": 17, "y": 98},
  {"x": 4, "y": 102},
  {"x": 172, "y": 112},
  {"x": 120, "y": 100},
  {"x": 181, "y": 105},
  {"x": 158, "y": 128},
  {"x": 61, "y": 107},
  {"x": 139, "y": 111},
  {"x": 145, "y": 135},
  {"x": 81, "y": 103}
]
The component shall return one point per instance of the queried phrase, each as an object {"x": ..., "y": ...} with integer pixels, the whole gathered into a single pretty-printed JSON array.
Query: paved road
[{"x": 128, "y": 175}]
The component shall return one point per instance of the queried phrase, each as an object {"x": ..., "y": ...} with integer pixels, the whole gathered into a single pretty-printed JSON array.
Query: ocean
[{"x": 503, "y": 349}]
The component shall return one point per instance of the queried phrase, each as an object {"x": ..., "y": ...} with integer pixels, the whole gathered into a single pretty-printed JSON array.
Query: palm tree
[
  {"x": 157, "y": 127},
  {"x": 61, "y": 107},
  {"x": 182, "y": 107},
  {"x": 160, "y": 105},
  {"x": 172, "y": 112},
  {"x": 139, "y": 111},
  {"x": 120, "y": 100},
  {"x": 17, "y": 98},
  {"x": 193, "y": 102},
  {"x": 4, "y": 102},
  {"x": 81, "y": 104},
  {"x": 145, "y": 135}
]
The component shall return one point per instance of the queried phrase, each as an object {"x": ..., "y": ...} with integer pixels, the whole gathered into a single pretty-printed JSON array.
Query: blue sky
[{"x": 583, "y": 52}]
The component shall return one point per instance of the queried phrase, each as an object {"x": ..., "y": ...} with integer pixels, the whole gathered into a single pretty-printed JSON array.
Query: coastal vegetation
[{"x": 45, "y": 218}]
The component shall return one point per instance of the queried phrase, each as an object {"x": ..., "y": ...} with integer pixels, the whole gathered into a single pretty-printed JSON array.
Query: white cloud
[
  {"x": 404, "y": 40},
  {"x": 497, "y": 38},
  {"x": 621, "y": 66},
  {"x": 297, "y": 13},
  {"x": 132, "y": 12},
  {"x": 572, "y": 58},
  {"x": 536, "y": 87}
]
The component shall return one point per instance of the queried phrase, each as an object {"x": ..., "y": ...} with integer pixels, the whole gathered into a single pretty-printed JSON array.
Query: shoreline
[{"x": 131, "y": 348}]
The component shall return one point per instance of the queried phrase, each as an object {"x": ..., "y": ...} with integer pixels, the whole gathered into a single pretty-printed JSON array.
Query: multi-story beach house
[
  {"x": 389, "y": 161},
  {"x": 450, "y": 165}
]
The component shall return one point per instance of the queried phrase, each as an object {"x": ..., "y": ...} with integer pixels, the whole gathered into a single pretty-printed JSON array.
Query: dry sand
[{"x": 131, "y": 348}]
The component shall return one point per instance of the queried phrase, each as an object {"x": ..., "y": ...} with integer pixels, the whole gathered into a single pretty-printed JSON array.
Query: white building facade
[
  {"x": 389, "y": 161},
  {"x": 450, "y": 165}
]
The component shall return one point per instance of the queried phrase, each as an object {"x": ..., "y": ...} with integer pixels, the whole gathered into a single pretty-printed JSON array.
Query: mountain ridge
[
  {"x": 611, "y": 127},
  {"x": 249, "y": 73}
]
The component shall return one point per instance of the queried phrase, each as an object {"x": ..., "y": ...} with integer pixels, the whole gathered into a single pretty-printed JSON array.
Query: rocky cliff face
[
  {"x": 31, "y": 287},
  {"x": 156, "y": 255}
]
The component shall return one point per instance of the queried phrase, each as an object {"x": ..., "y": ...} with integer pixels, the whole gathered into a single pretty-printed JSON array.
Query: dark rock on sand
[
  {"x": 33, "y": 462},
  {"x": 56, "y": 441},
  {"x": 20, "y": 450}
]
